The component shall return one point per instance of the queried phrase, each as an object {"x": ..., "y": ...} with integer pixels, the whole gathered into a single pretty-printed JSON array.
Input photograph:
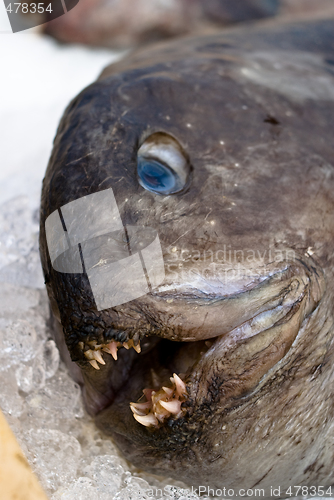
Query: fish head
[{"x": 219, "y": 199}]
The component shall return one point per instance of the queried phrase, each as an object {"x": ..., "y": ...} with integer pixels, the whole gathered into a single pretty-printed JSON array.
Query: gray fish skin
[{"x": 253, "y": 110}]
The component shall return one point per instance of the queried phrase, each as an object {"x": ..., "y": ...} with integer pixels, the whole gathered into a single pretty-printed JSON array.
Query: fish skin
[{"x": 260, "y": 409}]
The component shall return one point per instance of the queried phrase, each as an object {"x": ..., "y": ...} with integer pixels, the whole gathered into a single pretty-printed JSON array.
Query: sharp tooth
[
  {"x": 137, "y": 412},
  {"x": 137, "y": 347},
  {"x": 156, "y": 396},
  {"x": 94, "y": 364},
  {"x": 169, "y": 391},
  {"x": 98, "y": 356},
  {"x": 171, "y": 406},
  {"x": 180, "y": 385},
  {"x": 113, "y": 349},
  {"x": 139, "y": 408},
  {"x": 160, "y": 411},
  {"x": 89, "y": 354},
  {"x": 142, "y": 406},
  {"x": 147, "y": 420},
  {"x": 126, "y": 345}
]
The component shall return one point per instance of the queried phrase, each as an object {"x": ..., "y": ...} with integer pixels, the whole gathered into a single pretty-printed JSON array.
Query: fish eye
[
  {"x": 162, "y": 165},
  {"x": 155, "y": 176}
]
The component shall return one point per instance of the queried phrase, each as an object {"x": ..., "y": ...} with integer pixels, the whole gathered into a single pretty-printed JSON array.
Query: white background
[{"x": 38, "y": 79}]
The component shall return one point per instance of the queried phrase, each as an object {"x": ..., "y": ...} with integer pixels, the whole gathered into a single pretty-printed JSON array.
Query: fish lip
[
  {"x": 169, "y": 297},
  {"x": 200, "y": 297},
  {"x": 203, "y": 315},
  {"x": 189, "y": 296},
  {"x": 221, "y": 291}
]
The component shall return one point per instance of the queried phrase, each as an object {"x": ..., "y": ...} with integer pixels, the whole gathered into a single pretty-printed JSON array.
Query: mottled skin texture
[{"x": 254, "y": 112}]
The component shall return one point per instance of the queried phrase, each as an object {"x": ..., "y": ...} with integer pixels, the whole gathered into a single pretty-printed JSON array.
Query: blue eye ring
[
  {"x": 157, "y": 177},
  {"x": 163, "y": 166}
]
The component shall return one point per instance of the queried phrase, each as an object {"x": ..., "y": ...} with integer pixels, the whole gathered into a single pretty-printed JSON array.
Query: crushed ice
[{"x": 71, "y": 457}]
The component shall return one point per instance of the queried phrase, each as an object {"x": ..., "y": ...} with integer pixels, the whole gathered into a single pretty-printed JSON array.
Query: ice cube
[
  {"x": 10, "y": 400},
  {"x": 15, "y": 300},
  {"x": 60, "y": 396},
  {"x": 54, "y": 456},
  {"x": 80, "y": 489},
  {"x": 106, "y": 474},
  {"x": 135, "y": 489},
  {"x": 18, "y": 343},
  {"x": 19, "y": 258}
]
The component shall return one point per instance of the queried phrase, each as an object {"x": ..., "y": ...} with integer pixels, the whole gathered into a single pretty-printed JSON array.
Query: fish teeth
[
  {"x": 168, "y": 390},
  {"x": 161, "y": 404},
  {"x": 172, "y": 406},
  {"x": 89, "y": 354},
  {"x": 139, "y": 408},
  {"x": 113, "y": 349},
  {"x": 130, "y": 343},
  {"x": 98, "y": 356},
  {"x": 94, "y": 351},
  {"x": 180, "y": 385},
  {"x": 137, "y": 348},
  {"x": 94, "y": 364},
  {"x": 147, "y": 420}
]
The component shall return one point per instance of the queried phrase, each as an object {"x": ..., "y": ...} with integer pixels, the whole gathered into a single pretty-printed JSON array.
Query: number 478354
[{"x": 31, "y": 8}]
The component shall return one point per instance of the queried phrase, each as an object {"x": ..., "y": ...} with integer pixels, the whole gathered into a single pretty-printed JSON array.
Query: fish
[
  {"x": 186, "y": 241},
  {"x": 131, "y": 22}
]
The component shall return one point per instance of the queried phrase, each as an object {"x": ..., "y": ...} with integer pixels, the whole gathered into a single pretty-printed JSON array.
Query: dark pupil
[{"x": 155, "y": 176}]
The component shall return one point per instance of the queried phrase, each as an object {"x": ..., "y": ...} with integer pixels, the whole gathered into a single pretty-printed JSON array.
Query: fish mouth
[{"x": 163, "y": 374}]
